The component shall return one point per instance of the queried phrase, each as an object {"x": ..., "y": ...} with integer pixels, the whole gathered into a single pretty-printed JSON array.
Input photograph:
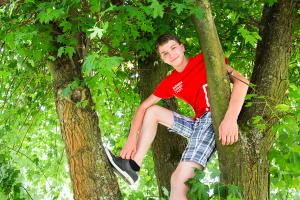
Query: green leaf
[
  {"x": 257, "y": 119},
  {"x": 179, "y": 7},
  {"x": 250, "y": 96},
  {"x": 248, "y": 104},
  {"x": 235, "y": 191},
  {"x": 220, "y": 190},
  {"x": 95, "y": 31},
  {"x": 60, "y": 51},
  {"x": 157, "y": 8},
  {"x": 70, "y": 51},
  {"x": 250, "y": 37},
  {"x": 52, "y": 58},
  {"x": 89, "y": 63},
  {"x": 198, "y": 190},
  {"x": 292, "y": 125},
  {"x": 50, "y": 14},
  {"x": 283, "y": 107},
  {"x": 165, "y": 192},
  {"x": 95, "y": 5},
  {"x": 67, "y": 26}
]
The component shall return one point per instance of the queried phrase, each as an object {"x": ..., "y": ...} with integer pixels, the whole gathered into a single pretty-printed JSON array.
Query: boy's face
[{"x": 172, "y": 53}]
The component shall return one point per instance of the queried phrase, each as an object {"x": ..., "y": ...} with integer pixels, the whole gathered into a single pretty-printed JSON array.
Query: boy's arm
[
  {"x": 228, "y": 129},
  {"x": 129, "y": 148}
]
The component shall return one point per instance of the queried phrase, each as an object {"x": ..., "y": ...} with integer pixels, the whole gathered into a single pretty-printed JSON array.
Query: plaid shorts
[{"x": 200, "y": 134}]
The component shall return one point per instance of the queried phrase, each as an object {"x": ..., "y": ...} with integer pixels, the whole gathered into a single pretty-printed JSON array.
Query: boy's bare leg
[
  {"x": 154, "y": 115},
  {"x": 183, "y": 172}
]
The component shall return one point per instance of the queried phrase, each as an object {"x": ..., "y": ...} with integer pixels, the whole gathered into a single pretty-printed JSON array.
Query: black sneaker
[{"x": 122, "y": 167}]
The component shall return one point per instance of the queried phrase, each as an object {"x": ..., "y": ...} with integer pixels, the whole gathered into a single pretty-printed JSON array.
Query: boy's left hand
[{"x": 228, "y": 131}]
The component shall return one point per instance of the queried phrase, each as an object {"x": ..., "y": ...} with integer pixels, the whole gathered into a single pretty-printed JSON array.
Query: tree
[
  {"x": 98, "y": 54},
  {"x": 246, "y": 164},
  {"x": 66, "y": 46}
]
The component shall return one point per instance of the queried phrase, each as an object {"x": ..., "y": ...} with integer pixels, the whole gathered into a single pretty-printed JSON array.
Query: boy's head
[
  {"x": 165, "y": 38},
  {"x": 171, "y": 50}
]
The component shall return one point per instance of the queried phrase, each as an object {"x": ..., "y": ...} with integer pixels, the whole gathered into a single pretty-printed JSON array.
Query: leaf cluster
[
  {"x": 201, "y": 191},
  {"x": 285, "y": 154}
]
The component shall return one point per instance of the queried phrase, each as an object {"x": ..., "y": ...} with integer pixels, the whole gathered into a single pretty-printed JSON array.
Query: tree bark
[
  {"x": 91, "y": 175},
  {"x": 245, "y": 163},
  {"x": 167, "y": 147}
]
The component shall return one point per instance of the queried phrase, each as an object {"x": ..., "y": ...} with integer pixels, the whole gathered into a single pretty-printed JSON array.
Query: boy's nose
[{"x": 172, "y": 56}]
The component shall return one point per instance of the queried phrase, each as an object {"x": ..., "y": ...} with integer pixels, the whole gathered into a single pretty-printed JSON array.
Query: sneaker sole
[{"x": 122, "y": 173}]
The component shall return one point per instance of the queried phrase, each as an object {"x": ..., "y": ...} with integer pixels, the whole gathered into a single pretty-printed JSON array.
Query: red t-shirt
[{"x": 189, "y": 85}]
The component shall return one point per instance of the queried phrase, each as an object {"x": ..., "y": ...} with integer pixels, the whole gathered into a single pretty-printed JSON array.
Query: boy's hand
[
  {"x": 228, "y": 131},
  {"x": 129, "y": 149}
]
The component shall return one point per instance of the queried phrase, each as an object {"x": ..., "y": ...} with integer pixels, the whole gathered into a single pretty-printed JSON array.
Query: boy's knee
[{"x": 152, "y": 110}]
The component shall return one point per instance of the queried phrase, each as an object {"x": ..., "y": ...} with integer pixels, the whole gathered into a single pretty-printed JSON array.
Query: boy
[{"x": 188, "y": 82}]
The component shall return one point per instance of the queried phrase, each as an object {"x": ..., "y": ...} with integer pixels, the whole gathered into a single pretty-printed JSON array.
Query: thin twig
[{"x": 27, "y": 192}]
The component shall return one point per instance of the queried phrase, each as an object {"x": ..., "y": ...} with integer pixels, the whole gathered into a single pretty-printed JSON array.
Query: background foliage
[{"x": 33, "y": 164}]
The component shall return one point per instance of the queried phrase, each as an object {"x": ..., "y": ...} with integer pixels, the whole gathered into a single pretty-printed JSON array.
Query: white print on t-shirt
[
  {"x": 178, "y": 87},
  {"x": 206, "y": 97}
]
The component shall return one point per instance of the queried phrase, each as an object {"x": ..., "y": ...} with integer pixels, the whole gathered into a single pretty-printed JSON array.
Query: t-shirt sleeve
[{"x": 163, "y": 90}]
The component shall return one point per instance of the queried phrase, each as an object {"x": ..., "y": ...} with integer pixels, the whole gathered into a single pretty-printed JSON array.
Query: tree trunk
[
  {"x": 270, "y": 77},
  {"x": 167, "y": 147},
  {"x": 245, "y": 163},
  {"x": 91, "y": 175}
]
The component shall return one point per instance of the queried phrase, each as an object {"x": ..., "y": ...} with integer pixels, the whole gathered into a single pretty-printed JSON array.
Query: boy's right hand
[{"x": 129, "y": 149}]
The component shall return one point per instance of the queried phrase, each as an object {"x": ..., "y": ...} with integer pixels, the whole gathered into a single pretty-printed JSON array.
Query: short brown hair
[{"x": 163, "y": 39}]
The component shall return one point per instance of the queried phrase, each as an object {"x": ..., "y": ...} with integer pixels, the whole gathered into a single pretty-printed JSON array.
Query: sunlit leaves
[
  {"x": 198, "y": 190},
  {"x": 60, "y": 51},
  {"x": 228, "y": 192},
  {"x": 157, "y": 8},
  {"x": 95, "y": 5},
  {"x": 49, "y": 12},
  {"x": 10, "y": 186},
  {"x": 249, "y": 37},
  {"x": 100, "y": 63},
  {"x": 67, "y": 26},
  {"x": 69, "y": 51},
  {"x": 283, "y": 107},
  {"x": 258, "y": 122},
  {"x": 285, "y": 155},
  {"x": 179, "y": 7},
  {"x": 121, "y": 35},
  {"x": 98, "y": 32}
]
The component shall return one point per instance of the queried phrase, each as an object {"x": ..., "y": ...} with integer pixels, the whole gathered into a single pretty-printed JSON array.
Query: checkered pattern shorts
[{"x": 200, "y": 134}]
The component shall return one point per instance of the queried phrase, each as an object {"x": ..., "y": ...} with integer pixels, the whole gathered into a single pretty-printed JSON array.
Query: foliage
[
  {"x": 10, "y": 186},
  {"x": 200, "y": 191},
  {"x": 32, "y": 159},
  {"x": 197, "y": 189},
  {"x": 285, "y": 155}
]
